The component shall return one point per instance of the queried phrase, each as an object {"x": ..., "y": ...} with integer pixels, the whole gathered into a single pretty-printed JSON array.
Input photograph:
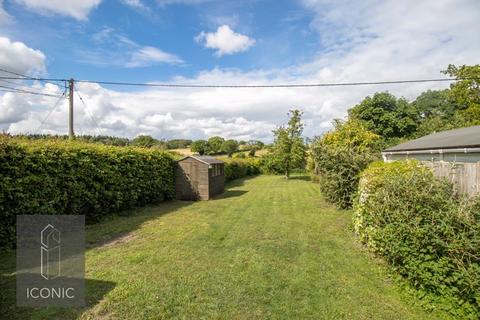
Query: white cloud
[
  {"x": 389, "y": 40},
  {"x": 225, "y": 41},
  {"x": 78, "y": 9},
  {"x": 17, "y": 57},
  {"x": 5, "y": 18},
  {"x": 136, "y": 4},
  {"x": 146, "y": 55},
  {"x": 114, "y": 49},
  {"x": 163, "y": 3},
  {"x": 13, "y": 108}
]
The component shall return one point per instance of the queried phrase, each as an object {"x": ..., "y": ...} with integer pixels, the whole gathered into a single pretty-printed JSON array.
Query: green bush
[
  {"x": 339, "y": 157},
  {"x": 269, "y": 164},
  {"x": 60, "y": 177},
  {"x": 238, "y": 168},
  {"x": 431, "y": 237}
]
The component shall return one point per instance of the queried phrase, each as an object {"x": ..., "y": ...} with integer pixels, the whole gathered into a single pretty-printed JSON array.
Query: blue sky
[
  {"x": 76, "y": 48},
  {"x": 222, "y": 42}
]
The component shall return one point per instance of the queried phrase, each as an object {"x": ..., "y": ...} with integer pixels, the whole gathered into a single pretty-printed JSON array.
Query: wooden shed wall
[{"x": 191, "y": 181}]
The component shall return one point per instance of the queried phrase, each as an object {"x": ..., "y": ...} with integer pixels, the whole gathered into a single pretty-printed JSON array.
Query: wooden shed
[{"x": 199, "y": 178}]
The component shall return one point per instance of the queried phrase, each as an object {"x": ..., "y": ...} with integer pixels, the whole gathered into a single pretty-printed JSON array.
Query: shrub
[
  {"x": 269, "y": 164},
  {"x": 339, "y": 157},
  {"x": 238, "y": 168},
  {"x": 59, "y": 177},
  {"x": 431, "y": 237}
]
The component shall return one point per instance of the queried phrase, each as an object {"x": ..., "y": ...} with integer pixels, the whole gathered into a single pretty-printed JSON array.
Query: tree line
[{"x": 218, "y": 145}]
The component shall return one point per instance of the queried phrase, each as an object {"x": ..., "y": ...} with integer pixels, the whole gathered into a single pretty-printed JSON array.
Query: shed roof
[
  {"x": 204, "y": 159},
  {"x": 468, "y": 137}
]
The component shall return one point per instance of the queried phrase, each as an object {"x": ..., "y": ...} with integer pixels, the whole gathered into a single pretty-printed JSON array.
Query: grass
[{"x": 267, "y": 248}]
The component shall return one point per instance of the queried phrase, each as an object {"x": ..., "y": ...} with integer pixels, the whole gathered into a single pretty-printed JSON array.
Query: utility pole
[{"x": 71, "y": 134}]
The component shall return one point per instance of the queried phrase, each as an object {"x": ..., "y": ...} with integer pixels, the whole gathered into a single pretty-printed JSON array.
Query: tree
[
  {"x": 145, "y": 141},
  {"x": 215, "y": 144},
  {"x": 433, "y": 103},
  {"x": 178, "y": 143},
  {"x": 229, "y": 147},
  {"x": 253, "y": 146},
  {"x": 437, "y": 112},
  {"x": 386, "y": 115},
  {"x": 199, "y": 146},
  {"x": 289, "y": 151},
  {"x": 466, "y": 91}
]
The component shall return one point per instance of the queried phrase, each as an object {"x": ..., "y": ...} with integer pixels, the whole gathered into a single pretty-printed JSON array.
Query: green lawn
[{"x": 268, "y": 248}]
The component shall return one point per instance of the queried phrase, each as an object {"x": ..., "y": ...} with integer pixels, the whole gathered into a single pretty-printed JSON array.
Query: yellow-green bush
[
  {"x": 238, "y": 168},
  {"x": 61, "y": 177},
  {"x": 339, "y": 156},
  {"x": 430, "y": 236}
]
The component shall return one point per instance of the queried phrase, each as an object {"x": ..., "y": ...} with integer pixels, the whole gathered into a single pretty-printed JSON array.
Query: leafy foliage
[
  {"x": 254, "y": 145},
  {"x": 432, "y": 238},
  {"x": 466, "y": 91},
  {"x": 289, "y": 150},
  {"x": 215, "y": 144},
  {"x": 56, "y": 177},
  {"x": 218, "y": 145},
  {"x": 178, "y": 143},
  {"x": 108, "y": 140},
  {"x": 229, "y": 147},
  {"x": 386, "y": 115},
  {"x": 199, "y": 146},
  {"x": 146, "y": 141},
  {"x": 238, "y": 168},
  {"x": 340, "y": 156}
]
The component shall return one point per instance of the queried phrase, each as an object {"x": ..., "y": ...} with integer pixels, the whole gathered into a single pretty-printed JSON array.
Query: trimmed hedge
[
  {"x": 238, "y": 168},
  {"x": 429, "y": 236},
  {"x": 59, "y": 177}
]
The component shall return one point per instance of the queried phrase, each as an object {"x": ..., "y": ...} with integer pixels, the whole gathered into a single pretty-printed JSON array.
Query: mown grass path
[{"x": 267, "y": 249}]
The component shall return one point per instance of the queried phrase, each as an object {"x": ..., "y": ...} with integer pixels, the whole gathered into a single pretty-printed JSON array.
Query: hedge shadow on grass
[
  {"x": 120, "y": 227},
  {"x": 110, "y": 231}
]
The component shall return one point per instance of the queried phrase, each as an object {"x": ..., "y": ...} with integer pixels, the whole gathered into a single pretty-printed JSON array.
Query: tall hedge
[
  {"x": 238, "y": 168},
  {"x": 59, "y": 177},
  {"x": 430, "y": 236}
]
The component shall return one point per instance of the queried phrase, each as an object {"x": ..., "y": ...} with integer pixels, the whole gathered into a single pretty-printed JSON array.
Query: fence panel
[{"x": 465, "y": 176}]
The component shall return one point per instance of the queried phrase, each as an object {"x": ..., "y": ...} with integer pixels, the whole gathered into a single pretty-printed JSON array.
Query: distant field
[{"x": 184, "y": 151}]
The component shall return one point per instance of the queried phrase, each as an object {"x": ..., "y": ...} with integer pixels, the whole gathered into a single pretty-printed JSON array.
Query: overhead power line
[
  {"x": 17, "y": 84},
  {"x": 51, "y": 111},
  {"x": 292, "y": 85},
  {"x": 16, "y": 90},
  {"x": 181, "y": 85},
  {"x": 25, "y": 77},
  {"x": 97, "y": 126},
  {"x": 288, "y": 85}
]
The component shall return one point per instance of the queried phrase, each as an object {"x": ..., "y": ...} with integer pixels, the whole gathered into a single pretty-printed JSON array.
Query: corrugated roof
[
  {"x": 204, "y": 159},
  {"x": 468, "y": 137}
]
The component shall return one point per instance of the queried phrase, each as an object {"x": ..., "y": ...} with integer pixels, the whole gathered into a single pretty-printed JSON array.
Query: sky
[{"x": 221, "y": 42}]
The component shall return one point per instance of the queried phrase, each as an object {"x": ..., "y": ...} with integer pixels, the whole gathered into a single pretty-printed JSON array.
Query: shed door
[{"x": 194, "y": 177}]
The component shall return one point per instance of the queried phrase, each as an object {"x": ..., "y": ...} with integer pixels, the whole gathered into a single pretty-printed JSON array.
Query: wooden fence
[{"x": 465, "y": 176}]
